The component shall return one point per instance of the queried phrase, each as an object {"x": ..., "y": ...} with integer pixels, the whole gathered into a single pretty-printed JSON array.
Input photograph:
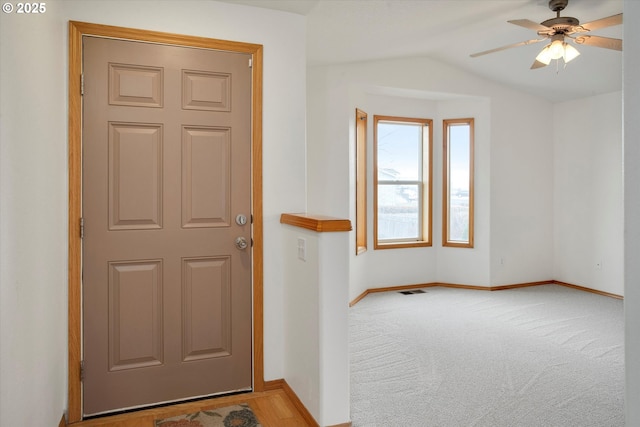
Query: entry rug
[{"x": 229, "y": 416}]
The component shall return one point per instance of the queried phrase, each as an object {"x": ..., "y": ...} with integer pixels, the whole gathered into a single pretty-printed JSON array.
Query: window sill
[{"x": 398, "y": 245}]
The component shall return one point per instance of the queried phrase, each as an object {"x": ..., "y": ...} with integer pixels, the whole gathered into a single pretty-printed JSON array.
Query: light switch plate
[{"x": 302, "y": 249}]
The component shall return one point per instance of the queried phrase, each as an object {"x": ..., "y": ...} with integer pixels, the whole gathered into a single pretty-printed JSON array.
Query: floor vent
[{"x": 417, "y": 291}]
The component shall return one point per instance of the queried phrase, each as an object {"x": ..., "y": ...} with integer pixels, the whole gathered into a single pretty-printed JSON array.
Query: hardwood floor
[{"x": 274, "y": 408}]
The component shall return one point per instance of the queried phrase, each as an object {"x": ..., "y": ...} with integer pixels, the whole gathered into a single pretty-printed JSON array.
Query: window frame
[
  {"x": 446, "y": 241},
  {"x": 425, "y": 185},
  {"x": 361, "y": 181}
]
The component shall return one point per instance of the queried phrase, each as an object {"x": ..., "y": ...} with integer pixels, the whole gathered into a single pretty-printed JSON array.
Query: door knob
[{"x": 241, "y": 243}]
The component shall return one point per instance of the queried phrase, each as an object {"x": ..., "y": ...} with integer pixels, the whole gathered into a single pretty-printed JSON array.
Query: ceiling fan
[{"x": 560, "y": 29}]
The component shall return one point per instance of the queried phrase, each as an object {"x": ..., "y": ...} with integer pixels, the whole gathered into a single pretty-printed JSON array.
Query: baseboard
[
  {"x": 63, "y": 422},
  {"x": 392, "y": 289},
  {"x": 273, "y": 385},
  {"x": 479, "y": 288},
  {"x": 521, "y": 285},
  {"x": 593, "y": 291},
  {"x": 282, "y": 384},
  {"x": 427, "y": 285}
]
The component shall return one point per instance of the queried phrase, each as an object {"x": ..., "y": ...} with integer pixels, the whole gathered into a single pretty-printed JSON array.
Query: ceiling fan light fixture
[
  {"x": 556, "y": 49},
  {"x": 545, "y": 55},
  {"x": 570, "y": 53}
]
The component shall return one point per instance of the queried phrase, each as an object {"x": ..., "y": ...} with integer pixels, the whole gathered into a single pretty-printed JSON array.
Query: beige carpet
[{"x": 529, "y": 357}]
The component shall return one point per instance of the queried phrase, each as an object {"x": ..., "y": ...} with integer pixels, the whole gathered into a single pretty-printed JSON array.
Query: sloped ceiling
[{"x": 450, "y": 30}]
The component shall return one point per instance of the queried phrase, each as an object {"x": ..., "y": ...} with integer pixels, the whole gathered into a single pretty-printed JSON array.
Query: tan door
[{"x": 166, "y": 185}]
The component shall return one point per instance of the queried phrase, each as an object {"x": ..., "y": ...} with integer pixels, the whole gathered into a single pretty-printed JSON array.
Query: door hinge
[
  {"x": 250, "y": 62},
  {"x": 82, "y": 84},
  {"x": 81, "y": 228},
  {"x": 82, "y": 370}
]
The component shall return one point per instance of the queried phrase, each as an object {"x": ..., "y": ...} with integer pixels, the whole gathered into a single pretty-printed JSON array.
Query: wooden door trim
[{"x": 76, "y": 31}]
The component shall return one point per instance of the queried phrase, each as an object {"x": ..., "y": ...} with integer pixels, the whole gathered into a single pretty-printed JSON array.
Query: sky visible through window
[
  {"x": 399, "y": 151},
  {"x": 459, "y": 157}
]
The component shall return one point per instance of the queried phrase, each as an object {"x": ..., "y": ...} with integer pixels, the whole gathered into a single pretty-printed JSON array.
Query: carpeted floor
[{"x": 529, "y": 357}]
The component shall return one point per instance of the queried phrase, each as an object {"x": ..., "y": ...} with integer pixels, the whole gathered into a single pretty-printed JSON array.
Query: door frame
[{"x": 76, "y": 31}]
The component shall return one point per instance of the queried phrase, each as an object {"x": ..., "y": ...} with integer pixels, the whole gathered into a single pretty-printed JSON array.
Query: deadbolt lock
[{"x": 241, "y": 219}]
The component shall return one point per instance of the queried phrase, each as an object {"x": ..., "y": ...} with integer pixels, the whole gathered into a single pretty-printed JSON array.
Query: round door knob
[{"x": 241, "y": 243}]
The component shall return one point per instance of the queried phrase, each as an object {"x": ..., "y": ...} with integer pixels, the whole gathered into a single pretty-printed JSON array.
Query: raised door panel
[
  {"x": 206, "y": 308},
  {"x": 135, "y": 85},
  {"x": 206, "y": 180},
  {"x": 202, "y": 90},
  {"x": 135, "y": 176},
  {"x": 135, "y": 314}
]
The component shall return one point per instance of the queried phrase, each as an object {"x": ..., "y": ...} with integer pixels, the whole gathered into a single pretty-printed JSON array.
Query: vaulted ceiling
[{"x": 451, "y": 30}]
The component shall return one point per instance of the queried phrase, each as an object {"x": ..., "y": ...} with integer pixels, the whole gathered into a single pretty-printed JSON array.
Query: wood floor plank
[
  {"x": 278, "y": 410},
  {"x": 273, "y": 409},
  {"x": 280, "y": 407}
]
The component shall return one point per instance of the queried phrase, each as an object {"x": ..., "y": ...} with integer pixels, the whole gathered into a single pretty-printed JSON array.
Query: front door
[{"x": 166, "y": 201}]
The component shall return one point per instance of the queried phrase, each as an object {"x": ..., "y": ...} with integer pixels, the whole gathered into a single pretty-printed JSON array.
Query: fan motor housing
[{"x": 561, "y": 23}]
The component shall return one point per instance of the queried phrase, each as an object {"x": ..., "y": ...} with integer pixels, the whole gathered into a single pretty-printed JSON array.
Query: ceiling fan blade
[
  {"x": 473, "y": 55},
  {"x": 600, "y": 23},
  {"x": 537, "y": 64},
  {"x": 598, "y": 41},
  {"x": 526, "y": 23}
]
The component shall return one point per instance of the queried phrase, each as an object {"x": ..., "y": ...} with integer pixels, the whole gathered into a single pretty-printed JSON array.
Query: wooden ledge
[{"x": 319, "y": 223}]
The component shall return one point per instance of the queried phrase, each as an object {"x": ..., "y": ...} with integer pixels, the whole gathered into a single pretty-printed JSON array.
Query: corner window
[
  {"x": 457, "y": 212},
  {"x": 402, "y": 182}
]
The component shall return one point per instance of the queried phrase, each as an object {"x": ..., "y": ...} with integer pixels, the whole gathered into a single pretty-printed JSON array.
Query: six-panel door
[{"x": 166, "y": 170}]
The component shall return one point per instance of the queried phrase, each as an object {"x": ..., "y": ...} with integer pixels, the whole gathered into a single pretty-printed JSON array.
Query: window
[
  {"x": 402, "y": 182},
  {"x": 361, "y": 181},
  {"x": 457, "y": 224}
]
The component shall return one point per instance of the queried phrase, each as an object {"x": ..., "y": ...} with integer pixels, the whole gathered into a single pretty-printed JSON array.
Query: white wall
[
  {"x": 302, "y": 316},
  {"x": 631, "y": 90},
  {"x": 33, "y": 177},
  {"x": 316, "y": 319},
  {"x": 513, "y": 170},
  {"x": 588, "y": 206},
  {"x": 521, "y": 189},
  {"x": 33, "y": 220},
  {"x": 335, "y": 398}
]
